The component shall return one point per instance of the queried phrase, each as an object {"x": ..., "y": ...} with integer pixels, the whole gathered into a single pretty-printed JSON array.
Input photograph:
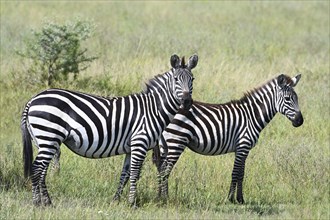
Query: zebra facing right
[{"x": 215, "y": 129}]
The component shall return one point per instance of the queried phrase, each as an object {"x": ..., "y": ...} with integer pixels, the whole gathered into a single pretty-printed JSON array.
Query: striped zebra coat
[
  {"x": 215, "y": 129},
  {"x": 97, "y": 127}
]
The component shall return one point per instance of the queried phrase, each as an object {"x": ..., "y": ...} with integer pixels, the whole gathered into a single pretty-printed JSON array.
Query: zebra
[
  {"x": 215, "y": 129},
  {"x": 98, "y": 127}
]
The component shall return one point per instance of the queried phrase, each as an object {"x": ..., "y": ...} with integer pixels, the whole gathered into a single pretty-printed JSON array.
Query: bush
[{"x": 56, "y": 49}]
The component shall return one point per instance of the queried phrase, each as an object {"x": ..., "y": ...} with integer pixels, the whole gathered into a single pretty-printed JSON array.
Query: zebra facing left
[{"x": 97, "y": 127}]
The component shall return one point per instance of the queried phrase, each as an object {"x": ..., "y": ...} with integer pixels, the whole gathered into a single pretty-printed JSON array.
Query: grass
[{"x": 240, "y": 46}]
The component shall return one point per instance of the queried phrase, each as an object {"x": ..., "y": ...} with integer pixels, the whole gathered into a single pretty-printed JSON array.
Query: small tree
[{"x": 56, "y": 49}]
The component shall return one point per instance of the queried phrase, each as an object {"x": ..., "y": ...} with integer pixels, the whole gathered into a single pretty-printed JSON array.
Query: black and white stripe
[
  {"x": 97, "y": 127},
  {"x": 215, "y": 129}
]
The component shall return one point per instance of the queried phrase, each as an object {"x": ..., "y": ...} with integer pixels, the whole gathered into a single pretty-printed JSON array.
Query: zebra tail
[{"x": 27, "y": 144}]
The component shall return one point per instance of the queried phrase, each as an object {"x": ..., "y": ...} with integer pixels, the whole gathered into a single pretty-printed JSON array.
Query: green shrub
[{"x": 56, "y": 49}]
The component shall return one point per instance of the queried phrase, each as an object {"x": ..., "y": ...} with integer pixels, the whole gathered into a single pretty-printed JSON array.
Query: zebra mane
[
  {"x": 154, "y": 83},
  {"x": 251, "y": 93},
  {"x": 247, "y": 94},
  {"x": 255, "y": 91}
]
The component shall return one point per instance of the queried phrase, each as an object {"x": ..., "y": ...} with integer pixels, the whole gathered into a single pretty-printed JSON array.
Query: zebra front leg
[
  {"x": 167, "y": 167},
  {"x": 164, "y": 174},
  {"x": 138, "y": 155},
  {"x": 159, "y": 156},
  {"x": 237, "y": 177},
  {"x": 125, "y": 173},
  {"x": 172, "y": 153},
  {"x": 166, "y": 171},
  {"x": 161, "y": 172}
]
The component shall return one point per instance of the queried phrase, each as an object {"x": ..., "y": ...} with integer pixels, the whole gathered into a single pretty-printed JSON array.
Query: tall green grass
[{"x": 240, "y": 46}]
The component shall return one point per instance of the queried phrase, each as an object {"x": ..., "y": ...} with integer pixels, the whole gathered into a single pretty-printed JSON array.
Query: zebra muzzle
[
  {"x": 186, "y": 104},
  {"x": 186, "y": 101},
  {"x": 298, "y": 120}
]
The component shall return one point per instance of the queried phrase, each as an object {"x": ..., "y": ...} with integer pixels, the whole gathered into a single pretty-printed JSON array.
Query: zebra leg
[
  {"x": 173, "y": 156},
  {"x": 35, "y": 178},
  {"x": 39, "y": 171},
  {"x": 45, "y": 199},
  {"x": 159, "y": 157},
  {"x": 161, "y": 171},
  {"x": 138, "y": 155},
  {"x": 125, "y": 173},
  {"x": 164, "y": 174},
  {"x": 56, "y": 161},
  {"x": 237, "y": 178},
  {"x": 239, "y": 195}
]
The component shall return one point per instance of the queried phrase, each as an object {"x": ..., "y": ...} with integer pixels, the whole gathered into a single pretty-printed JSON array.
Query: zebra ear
[
  {"x": 282, "y": 80},
  {"x": 175, "y": 61},
  {"x": 295, "y": 80},
  {"x": 193, "y": 60}
]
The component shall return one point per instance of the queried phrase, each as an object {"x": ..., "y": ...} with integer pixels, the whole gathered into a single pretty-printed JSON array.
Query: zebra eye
[
  {"x": 286, "y": 98},
  {"x": 176, "y": 78}
]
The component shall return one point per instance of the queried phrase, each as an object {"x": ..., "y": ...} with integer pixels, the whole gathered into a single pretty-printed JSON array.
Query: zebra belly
[
  {"x": 78, "y": 142},
  {"x": 206, "y": 148}
]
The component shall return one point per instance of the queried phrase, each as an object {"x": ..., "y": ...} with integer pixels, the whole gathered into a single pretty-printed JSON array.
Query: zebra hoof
[
  {"x": 134, "y": 206},
  {"x": 116, "y": 198},
  {"x": 134, "y": 203},
  {"x": 37, "y": 203},
  {"x": 231, "y": 198},
  {"x": 47, "y": 202},
  {"x": 240, "y": 201}
]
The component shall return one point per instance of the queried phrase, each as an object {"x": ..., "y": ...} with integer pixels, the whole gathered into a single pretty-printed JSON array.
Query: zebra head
[
  {"x": 183, "y": 79},
  {"x": 287, "y": 100}
]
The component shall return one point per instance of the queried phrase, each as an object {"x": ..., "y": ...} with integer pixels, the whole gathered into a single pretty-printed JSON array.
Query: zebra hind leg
[
  {"x": 45, "y": 199},
  {"x": 40, "y": 165},
  {"x": 56, "y": 162},
  {"x": 125, "y": 174},
  {"x": 40, "y": 194},
  {"x": 35, "y": 177}
]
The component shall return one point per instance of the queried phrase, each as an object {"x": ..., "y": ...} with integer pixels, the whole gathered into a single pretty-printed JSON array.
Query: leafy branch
[{"x": 57, "y": 49}]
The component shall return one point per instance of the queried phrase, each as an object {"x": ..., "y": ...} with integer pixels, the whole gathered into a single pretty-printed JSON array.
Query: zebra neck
[
  {"x": 166, "y": 104},
  {"x": 160, "y": 89},
  {"x": 261, "y": 105}
]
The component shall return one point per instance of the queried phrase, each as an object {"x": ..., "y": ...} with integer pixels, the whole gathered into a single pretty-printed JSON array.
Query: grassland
[{"x": 240, "y": 45}]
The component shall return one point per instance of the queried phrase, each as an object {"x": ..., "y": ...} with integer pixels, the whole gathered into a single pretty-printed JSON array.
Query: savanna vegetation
[{"x": 240, "y": 46}]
